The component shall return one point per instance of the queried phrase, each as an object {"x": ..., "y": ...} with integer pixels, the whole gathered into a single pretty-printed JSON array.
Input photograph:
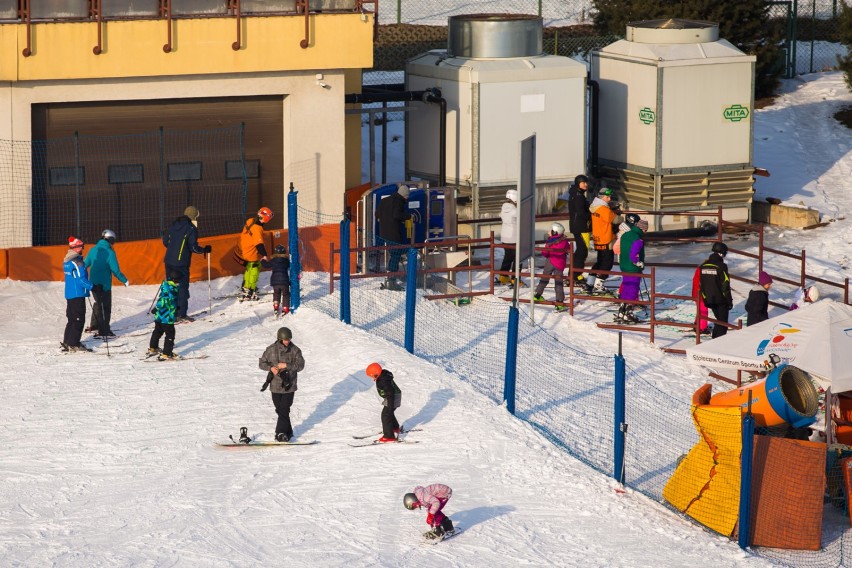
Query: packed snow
[{"x": 111, "y": 460}]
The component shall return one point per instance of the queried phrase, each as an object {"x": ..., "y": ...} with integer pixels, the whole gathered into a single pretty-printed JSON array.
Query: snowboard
[{"x": 446, "y": 536}]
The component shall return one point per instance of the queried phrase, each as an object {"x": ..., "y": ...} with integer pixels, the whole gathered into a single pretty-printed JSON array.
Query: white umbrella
[{"x": 816, "y": 338}]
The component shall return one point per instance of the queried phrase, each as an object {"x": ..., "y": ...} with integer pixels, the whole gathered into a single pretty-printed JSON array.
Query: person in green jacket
[{"x": 103, "y": 265}]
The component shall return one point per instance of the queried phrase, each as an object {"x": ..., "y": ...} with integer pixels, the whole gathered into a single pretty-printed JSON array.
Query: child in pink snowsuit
[{"x": 434, "y": 497}]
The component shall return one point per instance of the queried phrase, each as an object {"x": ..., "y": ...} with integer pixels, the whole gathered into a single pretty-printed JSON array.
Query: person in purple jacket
[
  {"x": 555, "y": 250},
  {"x": 631, "y": 260},
  {"x": 434, "y": 497}
]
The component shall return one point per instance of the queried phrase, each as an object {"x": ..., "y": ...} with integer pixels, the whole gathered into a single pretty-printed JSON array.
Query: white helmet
[
  {"x": 811, "y": 294},
  {"x": 557, "y": 229},
  {"x": 512, "y": 195}
]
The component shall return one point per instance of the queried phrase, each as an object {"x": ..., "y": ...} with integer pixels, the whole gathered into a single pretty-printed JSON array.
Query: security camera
[{"x": 323, "y": 85}]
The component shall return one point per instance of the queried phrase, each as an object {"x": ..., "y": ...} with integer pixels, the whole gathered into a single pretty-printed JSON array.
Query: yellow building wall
[{"x": 199, "y": 46}]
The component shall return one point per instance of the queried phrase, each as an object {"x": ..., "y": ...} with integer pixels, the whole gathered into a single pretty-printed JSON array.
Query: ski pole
[
  {"x": 647, "y": 294},
  {"x": 209, "y": 289},
  {"x": 157, "y": 295}
]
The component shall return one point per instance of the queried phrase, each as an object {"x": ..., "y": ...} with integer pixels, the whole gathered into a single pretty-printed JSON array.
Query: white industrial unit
[
  {"x": 675, "y": 119},
  {"x": 499, "y": 89}
]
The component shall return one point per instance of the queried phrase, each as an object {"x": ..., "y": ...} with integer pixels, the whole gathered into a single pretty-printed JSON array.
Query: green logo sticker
[
  {"x": 647, "y": 116},
  {"x": 735, "y": 113}
]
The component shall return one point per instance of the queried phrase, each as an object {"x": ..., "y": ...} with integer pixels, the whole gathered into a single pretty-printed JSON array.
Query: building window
[
  {"x": 234, "y": 169},
  {"x": 126, "y": 173},
  {"x": 185, "y": 171},
  {"x": 65, "y": 176}
]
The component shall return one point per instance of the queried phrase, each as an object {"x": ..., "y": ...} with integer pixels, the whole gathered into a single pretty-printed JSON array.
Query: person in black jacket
[
  {"x": 181, "y": 240},
  {"x": 757, "y": 305},
  {"x": 715, "y": 286},
  {"x": 279, "y": 280},
  {"x": 391, "y": 400},
  {"x": 392, "y": 213},
  {"x": 580, "y": 225}
]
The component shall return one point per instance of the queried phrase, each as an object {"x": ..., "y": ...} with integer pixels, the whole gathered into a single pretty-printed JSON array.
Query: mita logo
[
  {"x": 735, "y": 113},
  {"x": 647, "y": 116}
]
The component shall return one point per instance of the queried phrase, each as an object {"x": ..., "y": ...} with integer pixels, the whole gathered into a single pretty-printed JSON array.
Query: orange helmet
[
  {"x": 265, "y": 214},
  {"x": 374, "y": 370}
]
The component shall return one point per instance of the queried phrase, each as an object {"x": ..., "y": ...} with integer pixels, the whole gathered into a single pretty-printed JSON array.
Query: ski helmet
[
  {"x": 632, "y": 218},
  {"x": 811, "y": 294},
  {"x": 280, "y": 249},
  {"x": 284, "y": 333},
  {"x": 265, "y": 214},
  {"x": 605, "y": 192},
  {"x": 580, "y": 179},
  {"x": 108, "y": 235},
  {"x": 374, "y": 370},
  {"x": 410, "y": 501},
  {"x": 557, "y": 229},
  {"x": 512, "y": 195},
  {"x": 720, "y": 248}
]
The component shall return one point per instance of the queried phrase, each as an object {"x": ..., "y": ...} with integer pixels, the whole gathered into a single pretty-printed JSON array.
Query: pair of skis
[{"x": 402, "y": 431}]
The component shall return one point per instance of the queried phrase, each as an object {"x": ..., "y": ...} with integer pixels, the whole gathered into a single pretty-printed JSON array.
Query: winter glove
[
  {"x": 430, "y": 520},
  {"x": 269, "y": 377},
  {"x": 640, "y": 264},
  {"x": 208, "y": 249},
  {"x": 286, "y": 381}
]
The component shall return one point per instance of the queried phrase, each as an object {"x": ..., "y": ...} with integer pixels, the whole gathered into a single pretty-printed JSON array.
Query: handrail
[
  {"x": 166, "y": 11},
  {"x": 96, "y": 12},
  {"x": 25, "y": 13},
  {"x": 235, "y": 8}
]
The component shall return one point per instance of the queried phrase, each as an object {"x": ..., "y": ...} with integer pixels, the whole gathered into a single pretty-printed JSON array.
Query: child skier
[
  {"x": 279, "y": 280},
  {"x": 165, "y": 314},
  {"x": 631, "y": 261},
  {"x": 77, "y": 287},
  {"x": 805, "y": 296},
  {"x": 555, "y": 250},
  {"x": 391, "y": 400},
  {"x": 284, "y": 360},
  {"x": 434, "y": 497},
  {"x": 757, "y": 304}
]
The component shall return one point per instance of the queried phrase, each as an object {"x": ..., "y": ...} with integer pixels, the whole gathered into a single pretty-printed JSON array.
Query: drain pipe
[
  {"x": 428, "y": 96},
  {"x": 594, "y": 88}
]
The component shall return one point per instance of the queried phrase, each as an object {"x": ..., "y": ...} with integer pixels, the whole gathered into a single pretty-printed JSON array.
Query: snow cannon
[{"x": 786, "y": 395}]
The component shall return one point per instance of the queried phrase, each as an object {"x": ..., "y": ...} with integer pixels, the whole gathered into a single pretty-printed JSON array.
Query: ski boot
[
  {"x": 275, "y": 309},
  {"x": 244, "y": 438},
  {"x": 282, "y": 437}
]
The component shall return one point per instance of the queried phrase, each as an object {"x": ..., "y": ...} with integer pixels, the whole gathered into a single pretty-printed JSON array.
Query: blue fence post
[
  {"x": 511, "y": 370},
  {"x": 620, "y": 425},
  {"x": 410, "y": 297},
  {"x": 293, "y": 245},
  {"x": 345, "y": 280},
  {"x": 747, "y": 461}
]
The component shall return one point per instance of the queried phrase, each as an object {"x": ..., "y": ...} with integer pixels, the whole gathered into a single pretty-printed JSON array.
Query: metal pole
[{"x": 747, "y": 458}]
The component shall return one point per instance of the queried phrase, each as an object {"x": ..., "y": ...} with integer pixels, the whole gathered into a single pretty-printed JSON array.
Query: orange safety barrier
[{"x": 142, "y": 261}]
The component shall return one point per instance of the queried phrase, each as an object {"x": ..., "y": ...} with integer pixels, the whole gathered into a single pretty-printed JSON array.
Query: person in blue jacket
[
  {"x": 103, "y": 264},
  {"x": 279, "y": 280},
  {"x": 77, "y": 288},
  {"x": 181, "y": 241},
  {"x": 164, "y": 319}
]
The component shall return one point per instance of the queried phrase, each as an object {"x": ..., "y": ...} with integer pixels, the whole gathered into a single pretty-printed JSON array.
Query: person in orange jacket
[
  {"x": 603, "y": 237},
  {"x": 253, "y": 250}
]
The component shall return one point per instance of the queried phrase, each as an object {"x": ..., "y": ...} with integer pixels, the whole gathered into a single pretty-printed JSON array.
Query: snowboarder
[
  {"x": 165, "y": 315},
  {"x": 279, "y": 279},
  {"x": 284, "y": 360},
  {"x": 181, "y": 241},
  {"x": 77, "y": 288},
  {"x": 434, "y": 497},
  {"x": 253, "y": 251},
  {"x": 103, "y": 264},
  {"x": 579, "y": 224},
  {"x": 757, "y": 304},
  {"x": 391, "y": 400},
  {"x": 393, "y": 216},
  {"x": 604, "y": 238},
  {"x": 716, "y": 287},
  {"x": 508, "y": 235},
  {"x": 555, "y": 250},
  {"x": 631, "y": 260}
]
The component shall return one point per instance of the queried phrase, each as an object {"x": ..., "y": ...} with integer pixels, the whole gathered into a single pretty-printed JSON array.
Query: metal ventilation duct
[
  {"x": 494, "y": 36},
  {"x": 672, "y": 31}
]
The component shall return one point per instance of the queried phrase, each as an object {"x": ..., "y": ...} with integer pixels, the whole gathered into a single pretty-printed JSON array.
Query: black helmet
[
  {"x": 632, "y": 218},
  {"x": 410, "y": 501},
  {"x": 285, "y": 333},
  {"x": 720, "y": 248},
  {"x": 580, "y": 179},
  {"x": 280, "y": 249}
]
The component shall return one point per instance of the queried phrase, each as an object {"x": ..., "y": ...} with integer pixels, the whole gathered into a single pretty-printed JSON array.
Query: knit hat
[
  {"x": 191, "y": 212},
  {"x": 643, "y": 225},
  {"x": 74, "y": 242},
  {"x": 763, "y": 278},
  {"x": 403, "y": 190}
]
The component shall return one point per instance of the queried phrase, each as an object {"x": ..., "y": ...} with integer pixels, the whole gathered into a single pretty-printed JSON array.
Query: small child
[
  {"x": 757, "y": 304},
  {"x": 434, "y": 497},
  {"x": 77, "y": 287},
  {"x": 165, "y": 314},
  {"x": 555, "y": 250},
  {"x": 805, "y": 296},
  {"x": 391, "y": 400},
  {"x": 279, "y": 280}
]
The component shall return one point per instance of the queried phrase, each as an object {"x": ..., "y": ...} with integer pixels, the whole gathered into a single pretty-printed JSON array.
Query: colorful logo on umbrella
[{"x": 780, "y": 336}]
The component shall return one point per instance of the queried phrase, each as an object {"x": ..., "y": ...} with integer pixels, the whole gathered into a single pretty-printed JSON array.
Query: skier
[
  {"x": 391, "y": 400},
  {"x": 392, "y": 214},
  {"x": 555, "y": 250},
  {"x": 280, "y": 279},
  {"x": 805, "y": 296},
  {"x": 579, "y": 224},
  {"x": 434, "y": 497},
  {"x": 603, "y": 237},
  {"x": 631, "y": 260},
  {"x": 103, "y": 264},
  {"x": 181, "y": 241},
  {"x": 165, "y": 315},
  {"x": 701, "y": 316},
  {"x": 253, "y": 251},
  {"x": 508, "y": 236},
  {"x": 77, "y": 288},
  {"x": 284, "y": 360},
  {"x": 716, "y": 287},
  {"x": 757, "y": 304}
]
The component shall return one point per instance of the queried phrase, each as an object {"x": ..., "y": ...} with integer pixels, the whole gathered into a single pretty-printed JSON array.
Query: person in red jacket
[
  {"x": 434, "y": 497},
  {"x": 555, "y": 250}
]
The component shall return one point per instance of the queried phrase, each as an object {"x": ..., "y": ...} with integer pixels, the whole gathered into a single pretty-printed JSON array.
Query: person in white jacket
[{"x": 508, "y": 235}]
